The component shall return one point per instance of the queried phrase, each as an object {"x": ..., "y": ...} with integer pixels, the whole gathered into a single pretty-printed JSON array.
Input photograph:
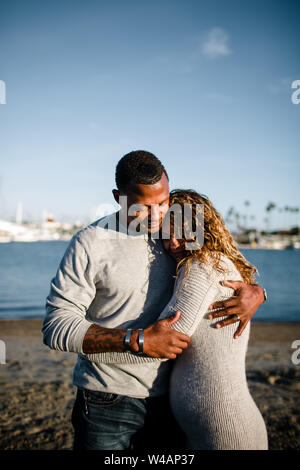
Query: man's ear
[{"x": 116, "y": 195}]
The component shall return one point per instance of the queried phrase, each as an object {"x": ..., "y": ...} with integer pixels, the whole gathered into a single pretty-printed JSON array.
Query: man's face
[{"x": 153, "y": 200}]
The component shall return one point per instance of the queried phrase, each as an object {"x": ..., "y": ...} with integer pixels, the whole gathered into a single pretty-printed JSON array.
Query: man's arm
[
  {"x": 72, "y": 290},
  {"x": 245, "y": 303},
  {"x": 159, "y": 339}
]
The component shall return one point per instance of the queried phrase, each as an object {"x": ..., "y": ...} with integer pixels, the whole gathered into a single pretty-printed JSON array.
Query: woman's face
[{"x": 175, "y": 247}]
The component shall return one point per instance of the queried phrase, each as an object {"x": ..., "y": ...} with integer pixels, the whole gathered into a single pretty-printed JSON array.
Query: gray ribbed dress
[{"x": 209, "y": 394}]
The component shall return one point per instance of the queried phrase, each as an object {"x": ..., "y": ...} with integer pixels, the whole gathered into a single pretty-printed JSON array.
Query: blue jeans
[{"x": 106, "y": 421}]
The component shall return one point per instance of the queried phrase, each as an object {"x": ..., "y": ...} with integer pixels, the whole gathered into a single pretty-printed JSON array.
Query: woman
[{"x": 209, "y": 395}]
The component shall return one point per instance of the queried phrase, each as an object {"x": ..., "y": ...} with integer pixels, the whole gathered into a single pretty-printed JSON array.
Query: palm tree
[
  {"x": 229, "y": 215},
  {"x": 267, "y": 221},
  {"x": 281, "y": 222},
  {"x": 246, "y": 204},
  {"x": 269, "y": 208},
  {"x": 252, "y": 218},
  {"x": 237, "y": 221},
  {"x": 295, "y": 210}
]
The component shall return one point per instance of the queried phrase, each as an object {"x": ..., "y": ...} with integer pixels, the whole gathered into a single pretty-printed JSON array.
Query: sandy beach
[{"x": 37, "y": 394}]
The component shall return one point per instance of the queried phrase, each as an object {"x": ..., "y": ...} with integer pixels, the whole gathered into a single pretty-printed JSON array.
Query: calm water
[{"x": 27, "y": 268}]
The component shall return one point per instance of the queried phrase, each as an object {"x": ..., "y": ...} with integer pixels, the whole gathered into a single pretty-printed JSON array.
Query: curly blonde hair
[{"x": 217, "y": 238}]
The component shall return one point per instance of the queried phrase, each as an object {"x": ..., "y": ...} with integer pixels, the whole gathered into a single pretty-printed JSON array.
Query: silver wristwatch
[{"x": 127, "y": 339}]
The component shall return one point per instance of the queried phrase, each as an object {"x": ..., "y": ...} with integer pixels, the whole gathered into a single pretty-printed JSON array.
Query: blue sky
[{"x": 204, "y": 85}]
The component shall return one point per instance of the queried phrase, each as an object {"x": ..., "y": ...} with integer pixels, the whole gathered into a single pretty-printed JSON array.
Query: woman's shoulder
[
  {"x": 228, "y": 265},
  {"x": 209, "y": 270}
]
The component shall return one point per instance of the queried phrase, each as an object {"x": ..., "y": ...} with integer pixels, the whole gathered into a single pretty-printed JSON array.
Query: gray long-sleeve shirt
[{"x": 117, "y": 281}]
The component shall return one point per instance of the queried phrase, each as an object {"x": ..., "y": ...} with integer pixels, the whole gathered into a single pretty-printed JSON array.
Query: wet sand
[{"x": 37, "y": 394}]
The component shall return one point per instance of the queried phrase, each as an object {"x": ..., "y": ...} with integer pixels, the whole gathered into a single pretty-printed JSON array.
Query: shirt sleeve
[
  {"x": 71, "y": 292},
  {"x": 193, "y": 293}
]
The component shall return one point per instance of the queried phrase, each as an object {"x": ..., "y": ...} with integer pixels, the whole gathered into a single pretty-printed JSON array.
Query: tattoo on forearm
[{"x": 98, "y": 339}]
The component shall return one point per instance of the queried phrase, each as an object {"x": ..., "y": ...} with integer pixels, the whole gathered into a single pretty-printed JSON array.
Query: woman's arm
[{"x": 192, "y": 296}]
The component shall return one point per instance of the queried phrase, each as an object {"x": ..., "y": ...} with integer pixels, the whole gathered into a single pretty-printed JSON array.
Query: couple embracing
[{"x": 160, "y": 323}]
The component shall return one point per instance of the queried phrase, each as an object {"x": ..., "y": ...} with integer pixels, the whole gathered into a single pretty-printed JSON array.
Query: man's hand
[
  {"x": 247, "y": 300},
  {"x": 159, "y": 339},
  {"x": 162, "y": 341}
]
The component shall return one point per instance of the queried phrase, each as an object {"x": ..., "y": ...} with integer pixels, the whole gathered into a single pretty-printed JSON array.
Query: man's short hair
[{"x": 139, "y": 167}]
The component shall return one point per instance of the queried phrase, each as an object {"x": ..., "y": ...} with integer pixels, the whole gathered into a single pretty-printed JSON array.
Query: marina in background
[
  {"x": 26, "y": 270},
  {"x": 242, "y": 226}
]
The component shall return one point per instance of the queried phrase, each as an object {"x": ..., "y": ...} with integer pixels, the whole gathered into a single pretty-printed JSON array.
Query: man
[{"x": 108, "y": 284}]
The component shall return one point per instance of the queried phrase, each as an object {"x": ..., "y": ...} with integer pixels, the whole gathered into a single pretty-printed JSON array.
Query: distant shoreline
[{"x": 240, "y": 247}]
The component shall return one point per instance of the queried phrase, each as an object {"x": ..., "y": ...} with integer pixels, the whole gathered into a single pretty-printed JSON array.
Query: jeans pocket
[{"x": 101, "y": 398}]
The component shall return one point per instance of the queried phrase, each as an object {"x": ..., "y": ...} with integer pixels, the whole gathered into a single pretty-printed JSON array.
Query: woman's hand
[{"x": 245, "y": 303}]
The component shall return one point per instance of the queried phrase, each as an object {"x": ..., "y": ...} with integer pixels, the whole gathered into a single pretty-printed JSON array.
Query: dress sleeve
[{"x": 192, "y": 296}]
